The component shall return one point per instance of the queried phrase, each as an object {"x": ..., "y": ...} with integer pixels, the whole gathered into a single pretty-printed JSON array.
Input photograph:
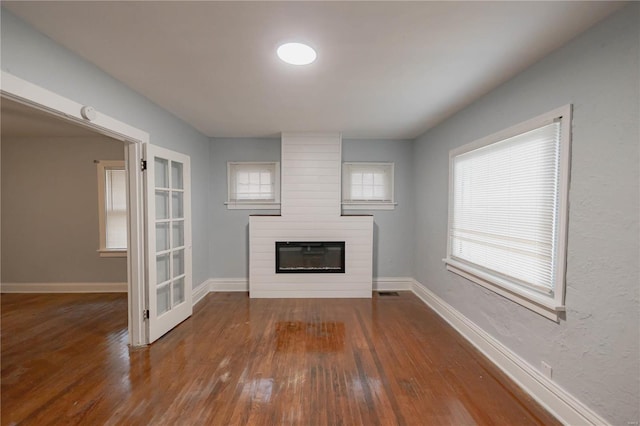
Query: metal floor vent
[{"x": 388, "y": 293}]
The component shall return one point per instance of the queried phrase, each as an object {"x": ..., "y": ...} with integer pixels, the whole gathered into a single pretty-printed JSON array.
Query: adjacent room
[{"x": 320, "y": 213}]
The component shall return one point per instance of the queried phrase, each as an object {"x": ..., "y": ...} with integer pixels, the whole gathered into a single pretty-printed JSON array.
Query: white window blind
[
  {"x": 505, "y": 199},
  {"x": 115, "y": 209},
  {"x": 253, "y": 182},
  {"x": 112, "y": 208},
  {"x": 367, "y": 182}
]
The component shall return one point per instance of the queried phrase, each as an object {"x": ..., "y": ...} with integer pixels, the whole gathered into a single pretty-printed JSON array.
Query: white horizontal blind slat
[{"x": 505, "y": 205}]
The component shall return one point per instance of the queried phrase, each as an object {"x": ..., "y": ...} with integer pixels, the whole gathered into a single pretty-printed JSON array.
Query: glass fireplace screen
[{"x": 310, "y": 257}]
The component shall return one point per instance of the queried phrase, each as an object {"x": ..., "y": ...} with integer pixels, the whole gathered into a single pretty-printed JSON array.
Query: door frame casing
[{"x": 27, "y": 93}]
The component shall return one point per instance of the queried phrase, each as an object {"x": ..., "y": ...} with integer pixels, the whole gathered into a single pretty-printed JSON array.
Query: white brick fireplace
[{"x": 311, "y": 212}]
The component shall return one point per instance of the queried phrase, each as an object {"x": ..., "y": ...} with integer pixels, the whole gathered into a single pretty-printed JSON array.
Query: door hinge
[
  {"x": 143, "y": 165},
  {"x": 145, "y": 314}
]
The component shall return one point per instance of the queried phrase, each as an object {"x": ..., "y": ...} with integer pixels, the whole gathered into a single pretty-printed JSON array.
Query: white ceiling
[{"x": 384, "y": 69}]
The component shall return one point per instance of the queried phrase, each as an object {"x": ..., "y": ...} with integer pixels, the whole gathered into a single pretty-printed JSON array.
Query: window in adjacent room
[
  {"x": 367, "y": 186},
  {"x": 112, "y": 208},
  {"x": 253, "y": 185},
  {"x": 508, "y": 197}
]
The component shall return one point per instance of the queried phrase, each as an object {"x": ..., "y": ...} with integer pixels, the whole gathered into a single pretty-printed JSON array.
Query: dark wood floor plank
[{"x": 385, "y": 361}]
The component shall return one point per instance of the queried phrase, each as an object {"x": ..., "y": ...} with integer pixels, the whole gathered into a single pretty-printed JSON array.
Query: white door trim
[{"x": 22, "y": 91}]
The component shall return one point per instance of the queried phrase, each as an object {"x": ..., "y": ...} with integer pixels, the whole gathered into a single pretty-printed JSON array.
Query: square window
[
  {"x": 253, "y": 185},
  {"x": 367, "y": 186}
]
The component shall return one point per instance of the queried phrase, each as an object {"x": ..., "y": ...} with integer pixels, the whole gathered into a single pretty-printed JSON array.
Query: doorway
[
  {"x": 52, "y": 235},
  {"x": 29, "y": 95}
]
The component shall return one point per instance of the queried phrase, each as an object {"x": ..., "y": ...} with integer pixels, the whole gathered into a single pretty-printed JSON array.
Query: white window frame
[
  {"x": 351, "y": 204},
  {"x": 102, "y": 167},
  {"x": 256, "y": 204},
  {"x": 548, "y": 305}
]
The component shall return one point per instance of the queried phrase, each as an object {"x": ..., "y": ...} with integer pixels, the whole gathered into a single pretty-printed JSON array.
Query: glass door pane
[
  {"x": 162, "y": 204},
  {"x": 178, "y": 233},
  {"x": 178, "y": 263},
  {"x": 177, "y": 206},
  {"x": 162, "y": 268},
  {"x": 162, "y": 236},
  {"x": 162, "y": 173},
  {"x": 164, "y": 301},
  {"x": 176, "y": 175},
  {"x": 178, "y": 291}
]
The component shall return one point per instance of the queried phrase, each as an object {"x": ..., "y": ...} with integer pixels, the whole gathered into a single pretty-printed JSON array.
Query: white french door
[{"x": 168, "y": 186}]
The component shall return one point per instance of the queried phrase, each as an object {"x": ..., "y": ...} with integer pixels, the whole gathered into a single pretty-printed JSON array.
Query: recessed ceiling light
[{"x": 296, "y": 53}]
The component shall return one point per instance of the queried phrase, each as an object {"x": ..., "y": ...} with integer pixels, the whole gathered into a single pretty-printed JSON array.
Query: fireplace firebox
[{"x": 310, "y": 257}]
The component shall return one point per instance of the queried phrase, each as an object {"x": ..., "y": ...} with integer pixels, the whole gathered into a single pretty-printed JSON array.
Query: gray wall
[
  {"x": 229, "y": 228},
  {"x": 50, "y": 211},
  {"x": 594, "y": 351},
  {"x": 32, "y": 56},
  {"x": 393, "y": 233}
]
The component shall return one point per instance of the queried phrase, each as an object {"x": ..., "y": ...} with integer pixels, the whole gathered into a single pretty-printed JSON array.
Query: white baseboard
[
  {"x": 63, "y": 287},
  {"x": 228, "y": 284},
  {"x": 200, "y": 292},
  {"x": 556, "y": 400},
  {"x": 392, "y": 283}
]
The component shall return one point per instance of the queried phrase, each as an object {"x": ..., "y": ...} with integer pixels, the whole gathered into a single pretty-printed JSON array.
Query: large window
[
  {"x": 367, "y": 186},
  {"x": 508, "y": 211},
  {"x": 253, "y": 185},
  {"x": 112, "y": 208}
]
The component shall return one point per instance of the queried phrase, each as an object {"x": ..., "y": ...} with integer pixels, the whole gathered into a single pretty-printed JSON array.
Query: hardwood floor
[{"x": 385, "y": 361}]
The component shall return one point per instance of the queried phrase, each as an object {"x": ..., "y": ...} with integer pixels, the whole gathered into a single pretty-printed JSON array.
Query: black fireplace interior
[{"x": 310, "y": 257}]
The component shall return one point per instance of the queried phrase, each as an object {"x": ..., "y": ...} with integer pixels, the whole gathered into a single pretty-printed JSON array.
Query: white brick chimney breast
[{"x": 311, "y": 211}]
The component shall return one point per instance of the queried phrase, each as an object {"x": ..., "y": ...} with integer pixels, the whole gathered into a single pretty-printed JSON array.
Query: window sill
[
  {"x": 252, "y": 206},
  {"x": 112, "y": 253},
  {"x": 545, "y": 306},
  {"x": 364, "y": 205}
]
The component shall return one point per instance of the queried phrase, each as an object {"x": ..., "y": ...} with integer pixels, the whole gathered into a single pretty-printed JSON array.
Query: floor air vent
[{"x": 388, "y": 293}]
